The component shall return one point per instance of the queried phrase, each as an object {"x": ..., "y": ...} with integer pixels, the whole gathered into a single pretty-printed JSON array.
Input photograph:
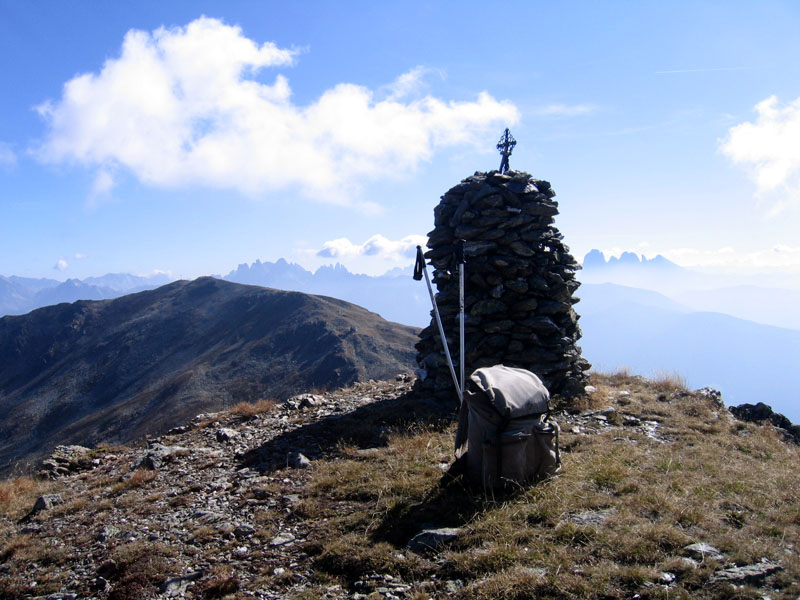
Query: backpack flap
[{"x": 513, "y": 392}]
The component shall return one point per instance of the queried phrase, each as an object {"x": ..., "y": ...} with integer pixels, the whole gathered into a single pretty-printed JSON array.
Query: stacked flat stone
[{"x": 519, "y": 284}]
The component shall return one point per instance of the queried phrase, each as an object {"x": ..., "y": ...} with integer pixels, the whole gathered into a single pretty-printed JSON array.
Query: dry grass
[
  {"x": 730, "y": 485},
  {"x": 664, "y": 381},
  {"x": 29, "y": 548},
  {"x": 140, "y": 568},
  {"x": 18, "y": 495},
  {"x": 249, "y": 410},
  {"x": 22, "y": 551},
  {"x": 70, "y": 506},
  {"x": 139, "y": 478},
  {"x": 221, "y": 582}
]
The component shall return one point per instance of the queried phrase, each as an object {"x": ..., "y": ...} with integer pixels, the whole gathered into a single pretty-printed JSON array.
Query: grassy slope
[{"x": 730, "y": 484}]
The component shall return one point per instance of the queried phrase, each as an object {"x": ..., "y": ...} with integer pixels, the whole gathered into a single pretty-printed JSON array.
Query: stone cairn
[{"x": 519, "y": 281}]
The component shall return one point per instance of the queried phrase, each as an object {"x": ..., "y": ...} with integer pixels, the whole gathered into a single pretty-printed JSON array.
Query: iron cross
[{"x": 506, "y": 146}]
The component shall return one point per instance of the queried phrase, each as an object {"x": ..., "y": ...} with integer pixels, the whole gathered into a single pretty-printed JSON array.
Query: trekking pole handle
[
  {"x": 419, "y": 271},
  {"x": 419, "y": 266}
]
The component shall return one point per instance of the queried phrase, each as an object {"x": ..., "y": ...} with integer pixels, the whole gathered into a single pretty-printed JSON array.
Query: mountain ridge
[{"x": 112, "y": 370}]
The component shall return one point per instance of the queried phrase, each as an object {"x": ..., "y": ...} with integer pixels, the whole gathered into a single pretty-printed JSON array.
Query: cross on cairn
[{"x": 506, "y": 146}]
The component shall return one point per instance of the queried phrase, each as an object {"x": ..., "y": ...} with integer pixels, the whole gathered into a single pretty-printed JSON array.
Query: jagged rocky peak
[{"x": 520, "y": 280}]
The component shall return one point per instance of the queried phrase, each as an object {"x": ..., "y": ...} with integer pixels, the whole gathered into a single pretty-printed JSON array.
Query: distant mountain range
[
  {"x": 395, "y": 296},
  {"x": 113, "y": 370},
  {"x": 596, "y": 261},
  {"x": 649, "y": 315},
  {"x": 626, "y": 322},
  {"x": 19, "y": 295}
]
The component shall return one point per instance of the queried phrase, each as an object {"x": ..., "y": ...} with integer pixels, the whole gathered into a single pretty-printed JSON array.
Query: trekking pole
[
  {"x": 461, "y": 259},
  {"x": 419, "y": 270}
]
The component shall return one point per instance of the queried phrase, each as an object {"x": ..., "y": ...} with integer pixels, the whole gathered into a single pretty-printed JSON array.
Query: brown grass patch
[
  {"x": 222, "y": 581},
  {"x": 249, "y": 410},
  {"x": 139, "y": 478},
  {"x": 140, "y": 568},
  {"x": 666, "y": 382},
  {"x": 18, "y": 495},
  {"x": 31, "y": 549}
]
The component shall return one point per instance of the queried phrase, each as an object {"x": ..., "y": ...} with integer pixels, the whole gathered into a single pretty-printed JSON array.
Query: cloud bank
[
  {"x": 375, "y": 256},
  {"x": 769, "y": 149},
  {"x": 182, "y": 107},
  {"x": 377, "y": 246}
]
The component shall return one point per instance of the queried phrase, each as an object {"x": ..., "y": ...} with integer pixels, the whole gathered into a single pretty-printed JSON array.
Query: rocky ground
[
  {"x": 233, "y": 505},
  {"x": 211, "y": 499}
]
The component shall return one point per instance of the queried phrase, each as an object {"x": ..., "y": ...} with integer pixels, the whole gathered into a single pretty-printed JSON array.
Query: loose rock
[
  {"x": 225, "y": 435},
  {"x": 297, "y": 460},
  {"x": 282, "y": 538},
  {"x": 747, "y": 574},
  {"x": 704, "y": 551},
  {"x": 433, "y": 539},
  {"x": 177, "y": 585}
]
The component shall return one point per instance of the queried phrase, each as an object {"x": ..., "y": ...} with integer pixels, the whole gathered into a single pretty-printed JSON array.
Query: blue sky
[{"x": 189, "y": 137}]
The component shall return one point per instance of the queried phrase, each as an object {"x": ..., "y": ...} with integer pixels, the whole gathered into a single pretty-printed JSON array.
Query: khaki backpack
[{"x": 505, "y": 428}]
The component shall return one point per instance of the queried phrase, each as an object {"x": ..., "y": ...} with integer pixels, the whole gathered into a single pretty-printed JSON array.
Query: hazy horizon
[{"x": 718, "y": 276}]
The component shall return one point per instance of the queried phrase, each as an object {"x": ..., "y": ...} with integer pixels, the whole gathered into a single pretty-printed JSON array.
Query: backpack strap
[
  {"x": 463, "y": 428},
  {"x": 499, "y": 447}
]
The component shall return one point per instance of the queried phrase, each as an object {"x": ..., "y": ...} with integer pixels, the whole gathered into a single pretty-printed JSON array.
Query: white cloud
[
  {"x": 769, "y": 149},
  {"x": 7, "y": 156},
  {"x": 375, "y": 256},
  {"x": 61, "y": 264},
  {"x": 181, "y": 107},
  {"x": 377, "y": 246},
  {"x": 80, "y": 256},
  {"x": 411, "y": 83}
]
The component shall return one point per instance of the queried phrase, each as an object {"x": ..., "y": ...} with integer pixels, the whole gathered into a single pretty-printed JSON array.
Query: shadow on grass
[
  {"x": 453, "y": 502},
  {"x": 368, "y": 426}
]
